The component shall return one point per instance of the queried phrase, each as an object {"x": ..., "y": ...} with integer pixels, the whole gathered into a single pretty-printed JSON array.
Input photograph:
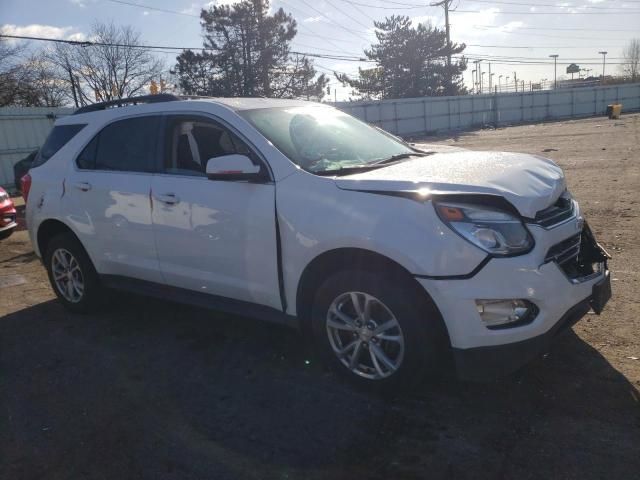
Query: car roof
[
  {"x": 252, "y": 103},
  {"x": 231, "y": 103}
]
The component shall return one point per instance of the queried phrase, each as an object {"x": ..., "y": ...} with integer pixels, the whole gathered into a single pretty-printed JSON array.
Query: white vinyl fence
[
  {"x": 22, "y": 130},
  {"x": 415, "y": 116}
]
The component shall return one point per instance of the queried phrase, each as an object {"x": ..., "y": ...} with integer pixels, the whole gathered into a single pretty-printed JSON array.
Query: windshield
[{"x": 321, "y": 139}]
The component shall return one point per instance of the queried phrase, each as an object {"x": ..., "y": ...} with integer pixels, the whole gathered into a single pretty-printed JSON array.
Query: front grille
[
  {"x": 579, "y": 256},
  {"x": 561, "y": 210},
  {"x": 565, "y": 251}
]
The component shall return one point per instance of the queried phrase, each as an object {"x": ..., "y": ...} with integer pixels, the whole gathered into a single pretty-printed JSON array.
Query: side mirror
[{"x": 232, "y": 167}]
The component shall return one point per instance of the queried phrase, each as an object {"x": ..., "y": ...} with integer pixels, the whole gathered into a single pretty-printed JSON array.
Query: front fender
[{"x": 316, "y": 217}]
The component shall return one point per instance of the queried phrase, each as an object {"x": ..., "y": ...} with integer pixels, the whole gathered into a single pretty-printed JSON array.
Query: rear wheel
[
  {"x": 378, "y": 333},
  {"x": 71, "y": 273}
]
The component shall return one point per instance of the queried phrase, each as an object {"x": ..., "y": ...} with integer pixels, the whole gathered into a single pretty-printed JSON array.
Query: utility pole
[
  {"x": 482, "y": 82},
  {"x": 490, "y": 77},
  {"x": 500, "y": 83},
  {"x": 446, "y": 4},
  {"x": 515, "y": 81},
  {"x": 604, "y": 55},
  {"x": 555, "y": 63},
  {"x": 473, "y": 81}
]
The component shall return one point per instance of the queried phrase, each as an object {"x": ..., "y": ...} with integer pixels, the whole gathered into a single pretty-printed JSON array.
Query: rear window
[
  {"x": 58, "y": 138},
  {"x": 125, "y": 145}
]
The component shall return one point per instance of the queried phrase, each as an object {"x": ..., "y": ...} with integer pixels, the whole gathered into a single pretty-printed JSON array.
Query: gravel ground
[{"x": 154, "y": 390}]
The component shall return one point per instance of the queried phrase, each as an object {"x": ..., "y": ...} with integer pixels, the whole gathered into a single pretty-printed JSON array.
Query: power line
[
  {"x": 165, "y": 48},
  {"x": 348, "y": 30},
  {"x": 368, "y": 5},
  {"x": 361, "y": 12},
  {"x": 537, "y": 46},
  {"x": 503, "y": 2},
  {"x": 626, "y": 12},
  {"x": 508, "y": 32},
  {"x": 313, "y": 33},
  {"x": 86, "y": 43},
  {"x": 157, "y": 9},
  {"x": 563, "y": 29},
  {"x": 347, "y": 15}
]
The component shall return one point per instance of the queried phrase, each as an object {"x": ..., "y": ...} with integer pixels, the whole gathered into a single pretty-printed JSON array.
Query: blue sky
[{"x": 575, "y": 30}]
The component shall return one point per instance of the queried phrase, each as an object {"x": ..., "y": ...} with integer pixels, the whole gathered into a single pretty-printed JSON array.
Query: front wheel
[{"x": 379, "y": 333}]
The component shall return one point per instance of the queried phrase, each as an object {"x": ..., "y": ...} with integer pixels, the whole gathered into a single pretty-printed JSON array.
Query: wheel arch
[
  {"x": 332, "y": 261},
  {"x": 49, "y": 229}
]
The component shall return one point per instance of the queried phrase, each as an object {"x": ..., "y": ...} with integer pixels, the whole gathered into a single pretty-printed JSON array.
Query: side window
[
  {"x": 127, "y": 145},
  {"x": 192, "y": 141},
  {"x": 58, "y": 138},
  {"x": 87, "y": 159}
]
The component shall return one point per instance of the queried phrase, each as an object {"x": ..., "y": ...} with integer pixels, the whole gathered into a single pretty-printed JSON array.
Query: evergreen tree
[
  {"x": 246, "y": 54},
  {"x": 410, "y": 62}
]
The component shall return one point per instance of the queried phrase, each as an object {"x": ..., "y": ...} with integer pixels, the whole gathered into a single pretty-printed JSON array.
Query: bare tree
[
  {"x": 48, "y": 90},
  {"x": 27, "y": 81},
  {"x": 11, "y": 72},
  {"x": 112, "y": 65},
  {"x": 631, "y": 56}
]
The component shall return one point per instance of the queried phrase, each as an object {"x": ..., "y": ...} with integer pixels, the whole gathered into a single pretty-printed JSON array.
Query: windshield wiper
[
  {"x": 401, "y": 156},
  {"x": 347, "y": 170}
]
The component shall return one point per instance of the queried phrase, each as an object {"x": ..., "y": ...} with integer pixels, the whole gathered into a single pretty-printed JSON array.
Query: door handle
[
  {"x": 84, "y": 186},
  {"x": 168, "y": 198}
]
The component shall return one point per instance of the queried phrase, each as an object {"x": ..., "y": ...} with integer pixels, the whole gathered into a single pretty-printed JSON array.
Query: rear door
[
  {"x": 215, "y": 237},
  {"x": 107, "y": 197}
]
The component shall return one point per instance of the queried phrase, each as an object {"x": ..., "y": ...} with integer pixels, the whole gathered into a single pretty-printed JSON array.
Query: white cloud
[
  {"x": 532, "y": 9},
  {"x": 79, "y": 3},
  {"x": 78, "y": 37},
  {"x": 464, "y": 24},
  {"x": 37, "y": 30},
  {"x": 145, "y": 13},
  {"x": 313, "y": 19}
]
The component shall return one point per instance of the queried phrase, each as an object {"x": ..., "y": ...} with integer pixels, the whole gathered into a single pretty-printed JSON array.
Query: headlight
[{"x": 494, "y": 231}]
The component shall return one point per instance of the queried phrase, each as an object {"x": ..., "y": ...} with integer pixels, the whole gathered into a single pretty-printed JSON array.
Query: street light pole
[
  {"x": 482, "y": 82},
  {"x": 473, "y": 81},
  {"x": 604, "y": 55},
  {"x": 499, "y": 83},
  {"x": 555, "y": 62}
]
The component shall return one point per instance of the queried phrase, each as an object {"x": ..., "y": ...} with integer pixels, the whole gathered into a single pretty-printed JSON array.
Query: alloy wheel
[
  {"x": 365, "y": 335},
  {"x": 67, "y": 275}
]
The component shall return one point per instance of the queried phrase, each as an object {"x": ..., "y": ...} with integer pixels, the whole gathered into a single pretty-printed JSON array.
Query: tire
[
  {"x": 412, "y": 349},
  {"x": 6, "y": 233},
  {"x": 81, "y": 273}
]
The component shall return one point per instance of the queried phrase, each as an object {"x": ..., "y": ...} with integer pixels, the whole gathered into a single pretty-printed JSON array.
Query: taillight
[{"x": 25, "y": 185}]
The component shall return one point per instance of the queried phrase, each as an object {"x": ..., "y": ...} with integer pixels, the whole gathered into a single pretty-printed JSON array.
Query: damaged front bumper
[{"x": 562, "y": 288}]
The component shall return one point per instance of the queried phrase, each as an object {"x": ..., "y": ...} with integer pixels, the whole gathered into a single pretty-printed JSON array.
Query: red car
[{"x": 7, "y": 215}]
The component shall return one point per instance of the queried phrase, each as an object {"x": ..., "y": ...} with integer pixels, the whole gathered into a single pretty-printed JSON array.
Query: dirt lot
[{"x": 160, "y": 391}]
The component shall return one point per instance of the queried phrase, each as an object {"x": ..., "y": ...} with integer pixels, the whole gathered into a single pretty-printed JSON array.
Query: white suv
[{"x": 391, "y": 257}]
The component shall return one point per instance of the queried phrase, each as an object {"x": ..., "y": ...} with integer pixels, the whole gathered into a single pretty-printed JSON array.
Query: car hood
[{"x": 529, "y": 182}]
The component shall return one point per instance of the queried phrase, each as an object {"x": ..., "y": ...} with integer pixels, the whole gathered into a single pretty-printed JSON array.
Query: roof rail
[{"x": 123, "y": 102}]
